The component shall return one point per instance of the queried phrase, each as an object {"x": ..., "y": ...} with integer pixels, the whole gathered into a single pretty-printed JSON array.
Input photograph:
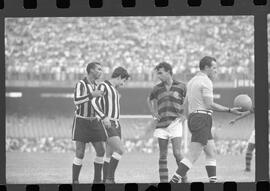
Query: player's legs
[
  {"x": 77, "y": 162},
  {"x": 176, "y": 146},
  {"x": 118, "y": 150},
  {"x": 163, "y": 152},
  {"x": 186, "y": 163},
  {"x": 210, "y": 160},
  {"x": 107, "y": 160},
  {"x": 249, "y": 151},
  {"x": 98, "y": 162},
  {"x": 199, "y": 126}
]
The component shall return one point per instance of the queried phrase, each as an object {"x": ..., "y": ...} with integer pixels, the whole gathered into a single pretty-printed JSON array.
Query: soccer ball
[{"x": 243, "y": 101}]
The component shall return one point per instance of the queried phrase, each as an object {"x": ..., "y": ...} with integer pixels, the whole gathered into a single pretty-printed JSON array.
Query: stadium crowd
[{"x": 57, "y": 49}]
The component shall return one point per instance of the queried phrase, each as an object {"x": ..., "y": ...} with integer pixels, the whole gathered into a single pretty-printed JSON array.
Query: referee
[
  {"x": 108, "y": 109},
  {"x": 199, "y": 105},
  {"x": 86, "y": 127}
]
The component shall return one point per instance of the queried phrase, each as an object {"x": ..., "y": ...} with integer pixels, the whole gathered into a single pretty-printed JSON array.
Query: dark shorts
[
  {"x": 200, "y": 125},
  {"x": 114, "y": 130},
  {"x": 86, "y": 130}
]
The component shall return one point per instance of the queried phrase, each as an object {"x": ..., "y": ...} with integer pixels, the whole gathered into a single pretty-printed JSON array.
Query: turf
[{"x": 36, "y": 168}]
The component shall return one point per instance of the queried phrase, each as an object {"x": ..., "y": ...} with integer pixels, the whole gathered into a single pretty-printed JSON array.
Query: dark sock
[
  {"x": 184, "y": 178},
  {"x": 250, "y": 149},
  {"x": 105, "y": 170},
  {"x": 75, "y": 172},
  {"x": 181, "y": 171},
  {"x": 97, "y": 172},
  {"x": 113, "y": 165},
  {"x": 211, "y": 171}
]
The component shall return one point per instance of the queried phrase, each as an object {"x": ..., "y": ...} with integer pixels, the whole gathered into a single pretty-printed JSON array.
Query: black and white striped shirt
[
  {"x": 82, "y": 99},
  {"x": 108, "y": 105}
]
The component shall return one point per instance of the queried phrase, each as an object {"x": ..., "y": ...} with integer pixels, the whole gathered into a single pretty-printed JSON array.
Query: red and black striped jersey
[{"x": 169, "y": 102}]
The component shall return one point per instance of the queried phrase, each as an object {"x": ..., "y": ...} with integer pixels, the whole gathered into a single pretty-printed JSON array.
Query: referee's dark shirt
[{"x": 169, "y": 102}]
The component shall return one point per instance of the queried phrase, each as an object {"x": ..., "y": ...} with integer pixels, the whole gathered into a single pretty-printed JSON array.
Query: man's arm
[
  {"x": 185, "y": 107},
  {"x": 96, "y": 103},
  {"x": 207, "y": 93},
  {"x": 243, "y": 115},
  {"x": 152, "y": 105},
  {"x": 217, "y": 107},
  {"x": 80, "y": 95}
]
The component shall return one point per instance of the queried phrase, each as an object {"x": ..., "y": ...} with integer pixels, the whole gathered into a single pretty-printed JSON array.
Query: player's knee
[
  {"x": 210, "y": 155},
  {"x": 120, "y": 150},
  {"x": 101, "y": 152},
  {"x": 80, "y": 153},
  {"x": 177, "y": 155}
]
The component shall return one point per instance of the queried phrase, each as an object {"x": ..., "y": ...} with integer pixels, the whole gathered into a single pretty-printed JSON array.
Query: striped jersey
[
  {"x": 108, "y": 105},
  {"x": 82, "y": 98},
  {"x": 169, "y": 102}
]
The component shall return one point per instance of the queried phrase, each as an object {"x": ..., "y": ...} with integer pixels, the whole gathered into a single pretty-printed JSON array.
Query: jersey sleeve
[{"x": 80, "y": 94}]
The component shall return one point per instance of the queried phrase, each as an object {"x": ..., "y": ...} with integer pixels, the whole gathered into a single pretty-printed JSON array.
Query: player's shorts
[
  {"x": 114, "y": 130},
  {"x": 200, "y": 125},
  {"x": 172, "y": 131},
  {"x": 88, "y": 130},
  {"x": 252, "y": 137}
]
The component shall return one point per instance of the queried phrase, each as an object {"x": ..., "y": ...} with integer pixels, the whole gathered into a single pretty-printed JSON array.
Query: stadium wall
[{"x": 28, "y": 100}]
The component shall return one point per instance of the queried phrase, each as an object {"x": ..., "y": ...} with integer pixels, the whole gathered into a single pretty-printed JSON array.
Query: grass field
[{"x": 36, "y": 168}]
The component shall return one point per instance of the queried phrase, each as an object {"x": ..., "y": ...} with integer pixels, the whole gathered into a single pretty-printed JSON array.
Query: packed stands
[{"x": 57, "y": 49}]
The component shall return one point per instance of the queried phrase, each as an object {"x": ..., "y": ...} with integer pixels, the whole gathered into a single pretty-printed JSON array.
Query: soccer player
[
  {"x": 86, "y": 127},
  {"x": 108, "y": 109},
  {"x": 199, "y": 106},
  {"x": 251, "y": 141},
  {"x": 166, "y": 105}
]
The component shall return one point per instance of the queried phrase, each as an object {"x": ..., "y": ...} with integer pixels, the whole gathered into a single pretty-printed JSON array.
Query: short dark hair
[
  {"x": 91, "y": 65},
  {"x": 120, "y": 71},
  {"x": 167, "y": 67},
  {"x": 206, "y": 61}
]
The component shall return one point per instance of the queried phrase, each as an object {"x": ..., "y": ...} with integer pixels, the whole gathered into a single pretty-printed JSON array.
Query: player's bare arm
[
  {"x": 152, "y": 105},
  {"x": 97, "y": 107},
  {"x": 217, "y": 107},
  {"x": 243, "y": 115},
  {"x": 185, "y": 107}
]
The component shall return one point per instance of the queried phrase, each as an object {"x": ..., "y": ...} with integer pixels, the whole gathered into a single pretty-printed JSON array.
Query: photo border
[{"x": 81, "y": 8}]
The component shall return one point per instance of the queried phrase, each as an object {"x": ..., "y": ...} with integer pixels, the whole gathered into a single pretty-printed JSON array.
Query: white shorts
[
  {"x": 252, "y": 137},
  {"x": 172, "y": 131}
]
